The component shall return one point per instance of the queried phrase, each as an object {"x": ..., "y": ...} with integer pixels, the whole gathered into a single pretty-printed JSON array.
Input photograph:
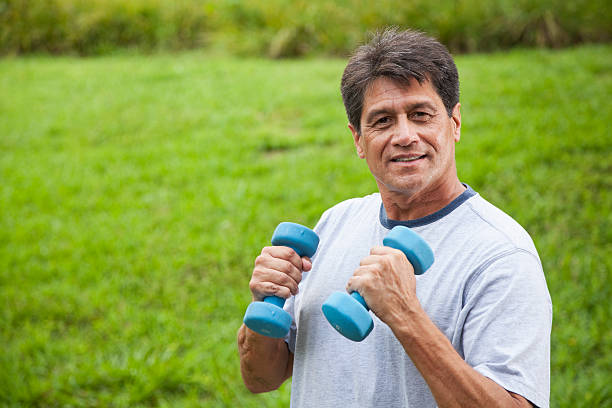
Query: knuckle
[
  {"x": 285, "y": 268},
  {"x": 366, "y": 280},
  {"x": 278, "y": 290},
  {"x": 255, "y": 281},
  {"x": 297, "y": 278},
  {"x": 266, "y": 250},
  {"x": 378, "y": 268},
  {"x": 289, "y": 283},
  {"x": 286, "y": 278},
  {"x": 257, "y": 272},
  {"x": 261, "y": 259},
  {"x": 285, "y": 252},
  {"x": 387, "y": 261}
]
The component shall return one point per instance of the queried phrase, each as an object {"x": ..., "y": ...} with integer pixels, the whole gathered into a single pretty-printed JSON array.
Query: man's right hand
[
  {"x": 265, "y": 362},
  {"x": 277, "y": 272}
]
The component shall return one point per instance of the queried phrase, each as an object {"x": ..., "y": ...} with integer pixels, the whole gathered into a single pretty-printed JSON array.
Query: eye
[
  {"x": 382, "y": 121},
  {"x": 420, "y": 116}
]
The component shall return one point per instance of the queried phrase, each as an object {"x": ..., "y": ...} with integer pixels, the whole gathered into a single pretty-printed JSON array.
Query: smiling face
[{"x": 408, "y": 141}]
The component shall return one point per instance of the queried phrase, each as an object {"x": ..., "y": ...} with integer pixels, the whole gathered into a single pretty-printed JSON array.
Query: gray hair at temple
[{"x": 399, "y": 56}]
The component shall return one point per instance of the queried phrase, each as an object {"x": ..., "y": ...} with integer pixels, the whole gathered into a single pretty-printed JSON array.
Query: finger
[
  {"x": 388, "y": 253},
  {"x": 282, "y": 266},
  {"x": 383, "y": 250},
  {"x": 285, "y": 253},
  {"x": 371, "y": 260},
  {"x": 353, "y": 284},
  {"x": 358, "y": 283},
  {"x": 306, "y": 264},
  {"x": 279, "y": 264},
  {"x": 266, "y": 289},
  {"x": 268, "y": 282},
  {"x": 360, "y": 278}
]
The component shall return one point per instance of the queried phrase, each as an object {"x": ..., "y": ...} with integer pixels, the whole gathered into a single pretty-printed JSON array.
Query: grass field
[{"x": 136, "y": 191}]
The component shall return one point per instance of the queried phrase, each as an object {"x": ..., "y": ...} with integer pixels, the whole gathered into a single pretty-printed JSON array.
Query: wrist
[{"x": 410, "y": 323}]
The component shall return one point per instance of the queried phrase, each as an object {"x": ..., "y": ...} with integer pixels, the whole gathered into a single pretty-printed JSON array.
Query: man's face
[{"x": 407, "y": 137}]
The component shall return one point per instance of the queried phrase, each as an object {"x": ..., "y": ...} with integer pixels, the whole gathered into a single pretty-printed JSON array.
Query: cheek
[
  {"x": 432, "y": 139},
  {"x": 374, "y": 144},
  {"x": 441, "y": 139}
]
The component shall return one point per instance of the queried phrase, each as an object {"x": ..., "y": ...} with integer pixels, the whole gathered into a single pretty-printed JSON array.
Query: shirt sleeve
[
  {"x": 290, "y": 337},
  {"x": 507, "y": 317}
]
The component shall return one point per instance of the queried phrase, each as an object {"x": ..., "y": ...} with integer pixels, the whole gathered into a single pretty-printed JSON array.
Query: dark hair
[{"x": 400, "y": 56}]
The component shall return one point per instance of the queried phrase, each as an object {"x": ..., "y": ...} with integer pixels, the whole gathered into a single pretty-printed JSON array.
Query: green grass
[{"x": 136, "y": 191}]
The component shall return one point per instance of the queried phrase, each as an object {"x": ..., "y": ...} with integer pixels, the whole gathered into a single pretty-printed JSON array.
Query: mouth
[{"x": 407, "y": 159}]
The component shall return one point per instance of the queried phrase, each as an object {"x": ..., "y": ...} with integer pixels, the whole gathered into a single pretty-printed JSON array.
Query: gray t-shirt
[{"x": 486, "y": 292}]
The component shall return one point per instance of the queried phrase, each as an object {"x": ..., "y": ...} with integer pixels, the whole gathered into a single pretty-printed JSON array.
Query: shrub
[
  {"x": 95, "y": 26},
  {"x": 284, "y": 28}
]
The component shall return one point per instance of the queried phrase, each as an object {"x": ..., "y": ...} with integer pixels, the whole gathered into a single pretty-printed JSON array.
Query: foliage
[
  {"x": 135, "y": 193},
  {"x": 290, "y": 28},
  {"x": 100, "y": 26}
]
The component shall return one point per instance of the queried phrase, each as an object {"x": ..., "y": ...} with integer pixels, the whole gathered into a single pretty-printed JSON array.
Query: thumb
[{"x": 306, "y": 264}]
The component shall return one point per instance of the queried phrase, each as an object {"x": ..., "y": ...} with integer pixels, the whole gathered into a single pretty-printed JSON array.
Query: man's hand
[
  {"x": 277, "y": 272},
  {"x": 265, "y": 362},
  {"x": 385, "y": 279}
]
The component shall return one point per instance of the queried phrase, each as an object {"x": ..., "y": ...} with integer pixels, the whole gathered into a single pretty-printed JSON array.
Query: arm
[
  {"x": 386, "y": 281},
  {"x": 451, "y": 380},
  {"x": 265, "y": 363}
]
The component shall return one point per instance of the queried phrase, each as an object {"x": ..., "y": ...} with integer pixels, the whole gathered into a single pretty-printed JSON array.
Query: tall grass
[
  {"x": 284, "y": 28},
  {"x": 97, "y": 26},
  {"x": 135, "y": 192}
]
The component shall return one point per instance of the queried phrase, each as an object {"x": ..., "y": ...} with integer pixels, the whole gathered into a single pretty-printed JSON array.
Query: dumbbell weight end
[{"x": 348, "y": 314}]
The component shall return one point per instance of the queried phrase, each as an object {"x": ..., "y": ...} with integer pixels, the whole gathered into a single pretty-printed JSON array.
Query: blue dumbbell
[
  {"x": 268, "y": 317},
  {"x": 348, "y": 313}
]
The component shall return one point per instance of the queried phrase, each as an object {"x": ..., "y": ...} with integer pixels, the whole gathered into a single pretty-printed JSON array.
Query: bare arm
[
  {"x": 386, "y": 281},
  {"x": 265, "y": 363},
  {"x": 451, "y": 380}
]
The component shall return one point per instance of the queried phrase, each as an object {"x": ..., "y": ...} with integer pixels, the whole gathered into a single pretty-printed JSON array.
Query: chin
[{"x": 404, "y": 189}]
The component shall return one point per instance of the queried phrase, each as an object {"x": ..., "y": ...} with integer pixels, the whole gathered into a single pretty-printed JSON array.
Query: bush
[
  {"x": 284, "y": 28},
  {"x": 95, "y": 26}
]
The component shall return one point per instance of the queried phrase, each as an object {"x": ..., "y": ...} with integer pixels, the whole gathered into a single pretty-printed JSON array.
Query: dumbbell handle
[
  {"x": 297, "y": 237},
  {"x": 275, "y": 300},
  {"x": 417, "y": 245},
  {"x": 360, "y": 299}
]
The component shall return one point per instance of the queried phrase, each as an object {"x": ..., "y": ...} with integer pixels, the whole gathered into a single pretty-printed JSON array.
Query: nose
[{"x": 405, "y": 133}]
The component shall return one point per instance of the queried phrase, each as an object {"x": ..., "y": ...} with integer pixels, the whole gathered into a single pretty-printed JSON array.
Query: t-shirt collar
[{"x": 428, "y": 219}]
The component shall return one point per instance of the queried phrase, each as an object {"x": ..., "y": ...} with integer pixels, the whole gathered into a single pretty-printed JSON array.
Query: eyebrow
[{"x": 417, "y": 105}]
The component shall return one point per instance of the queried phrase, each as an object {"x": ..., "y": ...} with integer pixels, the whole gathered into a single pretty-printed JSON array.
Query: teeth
[{"x": 407, "y": 159}]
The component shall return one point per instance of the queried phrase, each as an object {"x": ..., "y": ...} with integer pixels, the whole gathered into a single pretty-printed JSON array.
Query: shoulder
[
  {"x": 494, "y": 226},
  {"x": 480, "y": 241},
  {"x": 498, "y": 249}
]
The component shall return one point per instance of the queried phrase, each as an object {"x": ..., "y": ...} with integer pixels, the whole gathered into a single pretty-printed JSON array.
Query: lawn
[{"x": 135, "y": 192}]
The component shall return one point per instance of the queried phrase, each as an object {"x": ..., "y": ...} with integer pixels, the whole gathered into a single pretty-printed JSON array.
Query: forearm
[
  {"x": 265, "y": 363},
  {"x": 451, "y": 380}
]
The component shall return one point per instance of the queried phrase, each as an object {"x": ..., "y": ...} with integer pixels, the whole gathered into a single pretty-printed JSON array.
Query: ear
[
  {"x": 358, "y": 140},
  {"x": 456, "y": 122}
]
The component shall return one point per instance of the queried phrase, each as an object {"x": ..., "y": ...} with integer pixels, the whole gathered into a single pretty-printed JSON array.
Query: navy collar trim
[{"x": 428, "y": 219}]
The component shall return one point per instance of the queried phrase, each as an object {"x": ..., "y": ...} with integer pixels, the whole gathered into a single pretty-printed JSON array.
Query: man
[{"x": 474, "y": 330}]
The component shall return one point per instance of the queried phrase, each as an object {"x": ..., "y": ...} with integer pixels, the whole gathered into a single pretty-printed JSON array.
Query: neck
[{"x": 406, "y": 206}]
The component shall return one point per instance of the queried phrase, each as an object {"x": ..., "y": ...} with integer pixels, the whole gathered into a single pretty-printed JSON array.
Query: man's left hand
[{"x": 385, "y": 279}]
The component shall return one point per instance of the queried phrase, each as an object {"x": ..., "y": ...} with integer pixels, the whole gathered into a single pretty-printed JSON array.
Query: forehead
[{"x": 385, "y": 93}]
